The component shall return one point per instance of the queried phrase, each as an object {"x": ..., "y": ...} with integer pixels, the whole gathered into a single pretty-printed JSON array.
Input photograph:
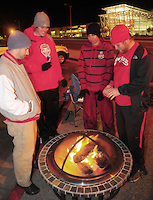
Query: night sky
[{"x": 83, "y": 11}]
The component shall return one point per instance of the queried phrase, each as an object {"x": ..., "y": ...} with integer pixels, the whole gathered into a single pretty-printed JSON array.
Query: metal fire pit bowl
[{"x": 114, "y": 164}]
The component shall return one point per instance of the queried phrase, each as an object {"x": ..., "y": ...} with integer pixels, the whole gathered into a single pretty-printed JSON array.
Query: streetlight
[
  {"x": 12, "y": 31},
  {"x": 70, "y": 10}
]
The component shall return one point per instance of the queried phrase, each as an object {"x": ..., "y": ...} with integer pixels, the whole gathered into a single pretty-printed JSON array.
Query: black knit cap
[{"x": 93, "y": 29}]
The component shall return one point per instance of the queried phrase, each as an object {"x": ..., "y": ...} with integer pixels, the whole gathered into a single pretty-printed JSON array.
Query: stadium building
[{"x": 139, "y": 21}]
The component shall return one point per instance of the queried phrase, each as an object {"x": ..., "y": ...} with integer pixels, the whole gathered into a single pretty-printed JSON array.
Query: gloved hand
[
  {"x": 83, "y": 93},
  {"x": 100, "y": 95},
  {"x": 46, "y": 66},
  {"x": 64, "y": 82}
]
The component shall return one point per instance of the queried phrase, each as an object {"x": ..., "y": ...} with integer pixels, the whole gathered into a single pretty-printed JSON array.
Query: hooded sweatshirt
[
  {"x": 42, "y": 50},
  {"x": 95, "y": 65}
]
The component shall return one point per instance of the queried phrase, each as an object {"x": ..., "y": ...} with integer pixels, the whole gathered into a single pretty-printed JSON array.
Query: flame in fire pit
[
  {"x": 84, "y": 157},
  {"x": 85, "y": 153},
  {"x": 85, "y": 163}
]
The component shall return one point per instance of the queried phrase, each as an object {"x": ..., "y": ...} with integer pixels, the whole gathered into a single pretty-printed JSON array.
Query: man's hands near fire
[{"x": 111, "y": 92}]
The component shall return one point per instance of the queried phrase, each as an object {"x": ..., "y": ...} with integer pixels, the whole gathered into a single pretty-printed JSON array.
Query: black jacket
[{"x": 140, "y": 77}]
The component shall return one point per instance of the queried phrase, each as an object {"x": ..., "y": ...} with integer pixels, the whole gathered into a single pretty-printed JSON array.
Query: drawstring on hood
[
  {"x": 95, "y": 65},
  {"x": 92, "y": 59},
  {"x": 94, "y": 49}
]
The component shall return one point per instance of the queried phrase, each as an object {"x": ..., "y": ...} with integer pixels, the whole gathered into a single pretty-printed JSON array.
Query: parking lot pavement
[
  {"x": 141, "y": 190},
  {"x": 7, "y": 178}
]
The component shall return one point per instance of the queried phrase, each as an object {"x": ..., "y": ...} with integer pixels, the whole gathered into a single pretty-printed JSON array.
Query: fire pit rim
[{"x": 86, "y": 189}]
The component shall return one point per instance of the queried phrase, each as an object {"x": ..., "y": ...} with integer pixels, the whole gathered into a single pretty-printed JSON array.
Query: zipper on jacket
[{"x": 92, "y": 58}]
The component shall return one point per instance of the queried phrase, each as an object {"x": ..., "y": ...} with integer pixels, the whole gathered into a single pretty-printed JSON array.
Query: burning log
[
  {"x": 102, "y": 161},
  {"x": 84, "y": 151},
  {"x": 84, "y": 168}
]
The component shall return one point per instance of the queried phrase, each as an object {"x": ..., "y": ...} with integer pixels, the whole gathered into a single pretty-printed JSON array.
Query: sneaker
[
  {"x": 135, "y": 177},
  {"x": 35, "y": 164},
  {"x": 54, "y": 133},
  {"x": 45, "y": 140},
  {"x": 31, "y": 190},
  {"x": 143, "y": 170}
]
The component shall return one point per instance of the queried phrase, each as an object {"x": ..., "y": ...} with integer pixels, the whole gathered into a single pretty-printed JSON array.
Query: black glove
[
  {"x": 83, "y": 93},
  {"x": 64, "y": 82},
  {"x": 46, "y": 66},
  {"x": 100, "y": 95}
]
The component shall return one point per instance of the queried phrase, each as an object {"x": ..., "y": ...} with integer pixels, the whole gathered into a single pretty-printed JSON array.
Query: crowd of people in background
[{"x": 30, "y": 74}]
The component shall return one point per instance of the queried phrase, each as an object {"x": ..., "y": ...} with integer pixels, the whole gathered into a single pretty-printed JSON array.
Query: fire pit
[{"x": 85, "y": 163}]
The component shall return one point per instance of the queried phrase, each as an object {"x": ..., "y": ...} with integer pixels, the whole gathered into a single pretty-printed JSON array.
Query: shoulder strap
[
  {"x": 137, "y": 56},
  {"x": 138, "y": 52}
]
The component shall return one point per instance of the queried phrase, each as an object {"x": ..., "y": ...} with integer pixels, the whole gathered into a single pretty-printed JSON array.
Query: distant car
[
  {"x": 62, "y": 51},
  {"x": 2, "y": 50}
]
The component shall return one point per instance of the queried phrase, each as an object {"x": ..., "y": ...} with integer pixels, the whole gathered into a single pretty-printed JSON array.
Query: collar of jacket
[
  {"x": 101, "y": 43},
  {"x": 11, "y": 58},
  {"x": 30, "y": 33}
]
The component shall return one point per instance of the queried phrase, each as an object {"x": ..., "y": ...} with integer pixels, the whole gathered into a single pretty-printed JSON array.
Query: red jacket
[
  {"x": 122, "y": 67},
  {"x": 135, "y": 84},
  {"x": 41, "y": 49},
  {"x": 95, "y": 65}
]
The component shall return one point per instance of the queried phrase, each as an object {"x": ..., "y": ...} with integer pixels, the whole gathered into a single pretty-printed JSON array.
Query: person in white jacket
[{"x": 20, "y": 105}]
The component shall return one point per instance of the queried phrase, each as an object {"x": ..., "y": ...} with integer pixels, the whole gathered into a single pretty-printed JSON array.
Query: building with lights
[
  {"x": 139, "y": 21},
  {"x": 69, "y": 31}
]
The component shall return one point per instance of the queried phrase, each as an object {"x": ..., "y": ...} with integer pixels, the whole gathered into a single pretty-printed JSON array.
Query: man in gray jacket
[{"x": 20, "y": 105}]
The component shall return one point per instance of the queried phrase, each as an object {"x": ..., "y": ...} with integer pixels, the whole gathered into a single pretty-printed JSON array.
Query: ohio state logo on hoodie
[
  {"x": 45, "y": 50},
  {"x": 122, "y": 60}
]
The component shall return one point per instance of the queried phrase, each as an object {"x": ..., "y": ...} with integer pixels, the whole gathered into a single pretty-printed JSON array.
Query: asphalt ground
[{"x": 142, "y": 189}]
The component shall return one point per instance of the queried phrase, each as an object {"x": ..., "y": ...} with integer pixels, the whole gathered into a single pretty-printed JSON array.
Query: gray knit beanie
[
  {"x": 18, "y": 40},
  {"x": 41, "y": 20}
]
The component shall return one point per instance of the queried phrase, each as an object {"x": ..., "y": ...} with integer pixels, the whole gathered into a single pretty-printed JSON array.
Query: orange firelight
[{"x": 82, "y": 159}]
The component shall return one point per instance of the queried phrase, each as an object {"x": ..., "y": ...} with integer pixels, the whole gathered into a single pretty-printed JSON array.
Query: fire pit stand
[{"x": 114, "y": 165}]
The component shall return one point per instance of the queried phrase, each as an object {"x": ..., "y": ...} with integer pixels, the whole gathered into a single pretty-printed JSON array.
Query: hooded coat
[
  {"x": 95, "y": 71},
  {"x": 42, "y": 50},
  {"x": 96, "y": 65}
]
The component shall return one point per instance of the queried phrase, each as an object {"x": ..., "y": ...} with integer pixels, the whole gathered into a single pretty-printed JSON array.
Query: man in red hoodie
[
  {"x": 45, "y": 72},
  {"x": 95, "y": 70}
]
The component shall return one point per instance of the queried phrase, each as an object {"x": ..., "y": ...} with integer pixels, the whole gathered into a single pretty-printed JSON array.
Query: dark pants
[
  {"x": 105, "y": 108},
  {"x": 48, "y": 120},
  {"x": 130, "y": 127}
]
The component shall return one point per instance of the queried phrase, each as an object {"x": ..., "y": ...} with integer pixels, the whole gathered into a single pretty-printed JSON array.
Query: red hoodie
[
  {"x": 95, "y": 65},
  {"x": 41, "y": 49}
]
